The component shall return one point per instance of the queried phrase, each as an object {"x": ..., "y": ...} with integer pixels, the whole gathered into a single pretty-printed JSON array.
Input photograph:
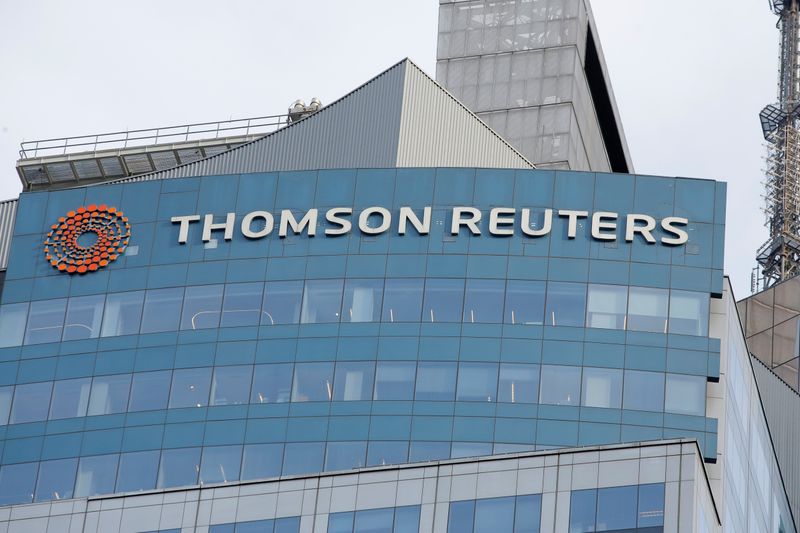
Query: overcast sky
[{"x": 690, "y": 77}]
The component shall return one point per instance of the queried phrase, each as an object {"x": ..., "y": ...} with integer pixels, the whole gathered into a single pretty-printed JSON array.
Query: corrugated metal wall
[
  {"x": 782, "y": 407},
  {"x": 8, "y": 212},
  {"x": 436, "y": 130}
]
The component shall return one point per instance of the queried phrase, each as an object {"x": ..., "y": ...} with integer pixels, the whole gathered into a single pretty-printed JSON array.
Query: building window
[
  {"x": 162, "y": 310},
  {"x": 605, "y": 306},
  {"x": 231, "y": 385},
  {"x": 261, "y": 461},
  {"x": 272, "y": 383},
  {"x": 190, "y": 387},
  {"x": 387, "y": 453},
  {"x": 282, "y": 302},
  {"x": 402, "y": 300},
  {"x": 688, "y": 313},
  {"x": 70, "y": 398},
  {"x": 56, "y": 480},
  {"x": 138, "y": 471},
  {"x": 45, "y": 321},
  {"x": 353, "y": 381},
  {"x": 685, "y": 395},
  {"x": 444, "y": 299},
  {"x": 84, "y": 315},
  {"x": 201, "y": 307},
  {"x": 12, "y": 324},
  {"x": 477, "y": 382},
  {"x": 483, "y": 301},
  {"x": 6, "y": 395},
  {"x": 566, "y": 304},
  {"x": 242, "y": 305},
  {"x": 362, "y": 300},
  {"x": 322, "y": 300},
  {"x": 313, "y": 382},
  {"x": 96, "y": 475},
  {"x": 220, "y": 464},
  {"x": 303, "y": 458},
  {"x": 436, "y": 381},
  {"x": 17, "y": 483},
  {"x": 519, "y": 383},
  {"x": 647, "y": 309},
  {"x": 602, "y": 387},
  {"x": 387, "y": 520},
  {"x": 560, "y": 385},
  {"x": 150, "y": 391},
  {"x": 643, "y": 391},
  {"x": 395, "y": 380},
  {"x": 617, "y": 508},
  {"x": 178, "y": 468},
  {"x": 524, "y": 302},
  {"x": 31, "y": 402},
  {"x": 122, "y": 314},
  {"x": 109, "y": 395},
  {"x": 345, "y": 455},
  {"x": 512, "y": 514}
]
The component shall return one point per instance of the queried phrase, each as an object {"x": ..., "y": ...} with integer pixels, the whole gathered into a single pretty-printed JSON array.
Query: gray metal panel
[
  {"x": 782, "y": 409},
  {"x": 436, "y": 130},
  {"x": 8, "y": 212}
]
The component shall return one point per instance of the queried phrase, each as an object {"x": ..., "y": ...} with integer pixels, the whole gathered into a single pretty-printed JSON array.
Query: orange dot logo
[{"x": 87, "y": 239}]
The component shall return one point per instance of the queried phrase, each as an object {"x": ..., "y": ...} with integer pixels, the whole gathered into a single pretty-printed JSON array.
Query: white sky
[{"x": 690, "y": 77}]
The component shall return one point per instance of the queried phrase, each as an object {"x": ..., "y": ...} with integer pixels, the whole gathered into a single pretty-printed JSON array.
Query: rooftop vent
[{"x": 300, "y": 110}]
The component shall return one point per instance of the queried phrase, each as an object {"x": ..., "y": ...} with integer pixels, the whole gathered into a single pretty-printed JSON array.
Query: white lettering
[
  {"x": 247, "y": 224},
  {"x": 470, "y": 222},
  {"x": 668, "y": 225},
  {"x": 599, "y": 225},
  {"x": 572, "y": 227},
  {"x": 209, "y": 226},
  {"x": 407, "y": 215},
  {"x": 631, "y": 228},
  {"x": 547, "y": 225},
  {"x": 307, "y": 223},
  {"x": 499, "y": 216},
  {"x": 333, "y": 217},
  {"x": 363, "y": 220},
  {"x": 183, "y": 232}
]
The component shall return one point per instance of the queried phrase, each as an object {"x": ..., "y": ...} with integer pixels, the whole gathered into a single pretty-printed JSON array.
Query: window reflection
[
  {"x": 685, "y": 395},
  {"x": 70, "y": 398},
  {"x": 688, "y": 313},
  {"x": 12, "y": 324},
  {"x": 362, "y": 300},
  {"x": 6, "y": 394},
  {"x": 242, "y": 305},
  {"x": 123, "y": 314},
  {"x": 162, "y": 310},
  {"x": 31, "y": 402},
  {"x": 109, "y": 395},
  {"x": 402, "y": 300},
  {"x": 353, "y": 381},
  {"x": 84, "y": 316},
  {"x": 606, "y": 305},
  {"x": 322, "y": 299},
  {"x": 647, "y": 309},
  {"x": 201, "y": 307},
  {"x": 281, "y": 302},
  {"x": 45, "y": 321}
]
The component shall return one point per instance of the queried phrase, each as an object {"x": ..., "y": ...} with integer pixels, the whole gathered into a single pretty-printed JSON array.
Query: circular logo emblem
[{"x": 87, "y": 239}]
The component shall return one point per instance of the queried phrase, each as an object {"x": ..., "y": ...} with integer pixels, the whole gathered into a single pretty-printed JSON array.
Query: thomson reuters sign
[{"x": 87, "y": 239}]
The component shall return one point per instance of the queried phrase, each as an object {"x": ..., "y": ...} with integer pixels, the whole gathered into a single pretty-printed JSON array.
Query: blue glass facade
[{"x": 250, "y": 358}]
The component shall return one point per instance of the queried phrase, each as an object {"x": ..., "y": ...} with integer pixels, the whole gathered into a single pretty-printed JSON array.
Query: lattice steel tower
[{"x": 780, "y": 256}]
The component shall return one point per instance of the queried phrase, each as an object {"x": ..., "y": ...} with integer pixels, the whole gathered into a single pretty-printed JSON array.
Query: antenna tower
[{"x": 779, "y": 257}]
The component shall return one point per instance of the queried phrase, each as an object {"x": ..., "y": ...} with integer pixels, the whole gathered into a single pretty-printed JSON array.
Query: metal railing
[{"x": 203, "y": 131}]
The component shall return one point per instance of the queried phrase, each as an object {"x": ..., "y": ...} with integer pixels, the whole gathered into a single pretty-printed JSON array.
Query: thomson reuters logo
[{"x": 87, "y": 239}]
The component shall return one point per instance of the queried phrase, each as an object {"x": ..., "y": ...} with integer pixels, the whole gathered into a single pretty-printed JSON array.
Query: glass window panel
[
  {"x": 402, "y": 300},
  {"x": 56, "y": 480},
  {"x": 256, "y": 526},
  {"x": 444, "y": 299},
  {"x": 461, "y": 516},
  {"x": 651, "y": 505},
  {"x": 84, "y": 315},
  {"x": 406, "y": 519},
  {"x": 109, "y": 395},
  {"x": 70, "y": 398},
  {"x": 122, "y": 314},
  {"x": 287, "y": 525},
  {"x": 303, "y": 458},
  {"x": 31, "y": 402},
  {"x": 395, "y": 380},
  {"x": 470, "y": 449},
  {"x": 643, "y": 391},
  {"x": 242, "y": 304},
  {"x": 602, "y": 387},
  {"x": 282, "y": 302},
  {"x": 262, "y": 461},
  {"x": 483, "y": 301},
  {"x": 340, "y": 522},
  {"x": 162, "y": 310},
  {"x": 138, "y": 471},
  {"x": 272, "y": 383},
  {"x": 494, "y": 514},
  {"x": 566, "y": 304},
  {"x": 322, "y": 300},
  {"x": 178, "y": 468},
  {"x": 17, "y": 483},
  {"x": 582, "y": 509},
  {"x": 647, "y": 309},
  {"x": 606, "y": 305},
  {"x": 201, "y": 307},
  {"x": 387, "y": 453},
  {"x": 616, "y": 508},
  {"x": 519, "y": 383},
  {"x": 12, "y": 324},
  {"x": 345, "y": 455},
  {"x": 560, "y": 385},
  {"x": 528, "y": 514},
  {"x": 220, "y": 464},
  {"x": 6, "y": 394},
  {"x": 688, "y": 313},
  {"x": 150, "y": 390},
  {"x": 231, "y": 385},
  {"x": 374, "y": 521},
  {"x": 313, "y": 382},
  {"x": 362, "y": 300},
  {"x": 524, "y": 302},
  {"x": 428, "y": 451},
  {"x": 686, "y": 395},
  {"x": 190, "y": 387},
  {"x": 477, "y": 382},
  {"x": 353, "y": 381},
  {"x": 436, "y": 381},
  {"x": 45, "y": 321},
  {"x": 96, "y": 475}
]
